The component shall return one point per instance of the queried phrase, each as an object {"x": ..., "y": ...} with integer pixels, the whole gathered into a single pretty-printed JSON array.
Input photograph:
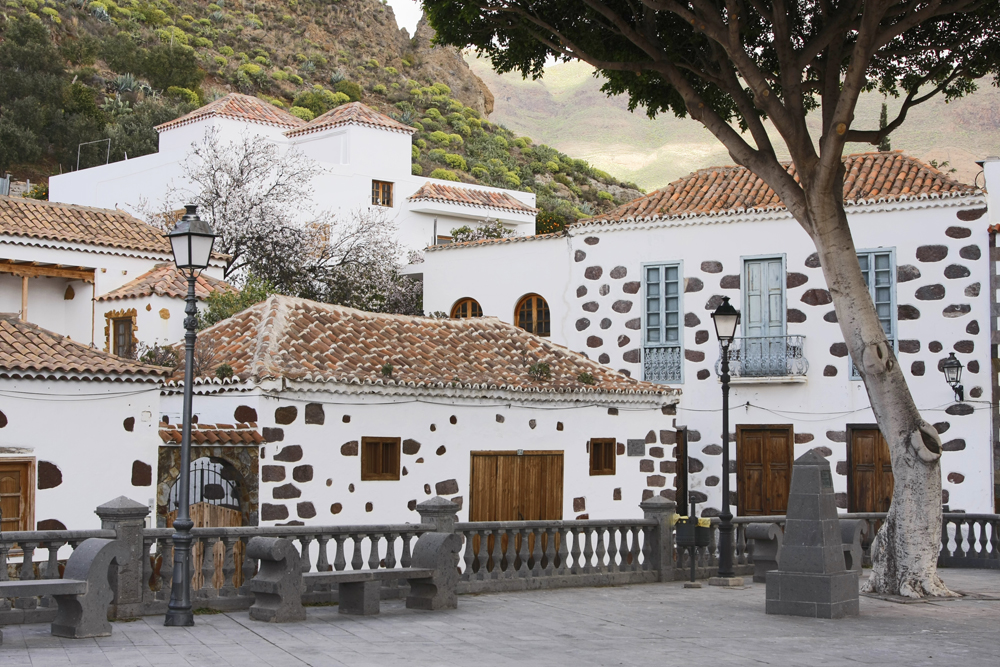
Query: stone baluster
[
  {"x": 26, "y": 573},
  {"x": 357, "y": 561},
  {"x": 469, "y": 555},
  {"x": 4, "y": 550},
  {"x": 248, "y": 570},
  {"x": 994, "y": 538},
  {"x": 574, "y": 554},
  {"x": 588, "y": 551},
  {"x": 561, "y": 551},
  {"x": 536, "y": 552},
  {"x": 208, "y": 566},
  {"x": 390, "y": 550},
  {"x": 635, "y": 551},
  {"x": 339, "y": 559},
  {"x": 166, "y": 552},
  {"x": 522, "y": 553},
  {"x": 227, "y": 590},
  {"x": 601, "y": 550},
  {"x": 647, "y": 548},
  {"x": 322, "y": 564},
  {"x": 51, "y": 570},
  {"x": 510, "y": 554},
  {"x": 406, "y": 558},
  {"x": 482, "y": 557},
  {"x": 374, "y": 541},
  {"x": 304, "y": 560},
  {"x": 496, "y": 554},
  {"x": 550, "y": 552}
]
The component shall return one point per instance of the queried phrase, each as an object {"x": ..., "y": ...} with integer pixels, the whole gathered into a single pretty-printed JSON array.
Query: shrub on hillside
[
  {"x": 302, "y": 112},
  {"x": 416, "y": 169},
  {"x": 351, "y": 89},
  {"x": 444, "y": 175},
  {"x": 183, "y": 94},
  {"x": 319, "y": 100},
  {"x": 164, "y": 67},
  {"x": 457, "y": 162}
]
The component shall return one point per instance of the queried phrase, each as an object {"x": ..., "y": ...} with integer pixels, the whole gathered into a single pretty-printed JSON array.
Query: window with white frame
[
  {"x": 878, "y": 268},
  {"x": 662, "y": 349}
]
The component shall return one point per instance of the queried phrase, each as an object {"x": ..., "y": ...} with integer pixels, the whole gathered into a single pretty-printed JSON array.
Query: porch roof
[{"x": 166, "y": 280}]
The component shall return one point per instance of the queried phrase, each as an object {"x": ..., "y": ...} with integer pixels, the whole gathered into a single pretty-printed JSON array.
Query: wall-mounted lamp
[{"x": 952, "y": 368}]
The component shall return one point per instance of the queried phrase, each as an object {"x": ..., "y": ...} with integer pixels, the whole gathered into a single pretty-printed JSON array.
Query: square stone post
[
  {"x": 440, "y": 512},
  {"x": 661, "y": 548},
  {"x": 128, "y": 519}
]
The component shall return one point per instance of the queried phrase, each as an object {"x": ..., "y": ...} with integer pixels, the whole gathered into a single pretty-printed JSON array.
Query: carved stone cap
[
  {"x": 658, "y": 504},
  {"x": 437, "y": 505},
  {"x": 122, "y": 507}
]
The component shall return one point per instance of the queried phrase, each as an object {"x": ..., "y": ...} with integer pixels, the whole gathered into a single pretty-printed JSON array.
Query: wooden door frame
[
  {"x": 850, "y": 459},
  {"x": 32, "y": 483},
  {"x": 682, "y": 488},
  {"x": 739, "y": 459}
]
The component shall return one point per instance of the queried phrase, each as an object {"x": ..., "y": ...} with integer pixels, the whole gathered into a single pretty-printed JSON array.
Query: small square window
[
  {"x": 602, "y": 456},
  {"x": 379, "y": 459},
  {"x": 382, "y": 193}
]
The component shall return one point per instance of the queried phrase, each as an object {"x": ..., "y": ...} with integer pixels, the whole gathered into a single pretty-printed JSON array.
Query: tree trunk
[{"x": 905, "y": 550}]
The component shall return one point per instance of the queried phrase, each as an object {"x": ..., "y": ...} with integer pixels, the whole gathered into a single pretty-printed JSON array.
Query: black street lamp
[
  {"x": 191, "y": 240},
  {"x": 726, "y": 319},
  {"x": 952, "y": 368}
]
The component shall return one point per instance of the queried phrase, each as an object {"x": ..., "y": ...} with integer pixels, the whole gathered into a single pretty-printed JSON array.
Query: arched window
[
  {"x": 466, "y": 307},
  {"x": 532, "y": 314}
]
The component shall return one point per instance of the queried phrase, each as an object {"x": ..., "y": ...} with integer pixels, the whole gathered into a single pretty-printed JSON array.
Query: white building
[
  {"x": 364, "y": 156},
  {"x": 635, "y": 288},
  {"x": 355, "y": 417},
  {"x": 100, "y": 277}
]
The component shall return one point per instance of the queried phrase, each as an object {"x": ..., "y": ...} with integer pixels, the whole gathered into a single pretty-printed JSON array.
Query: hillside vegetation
[{"x": 108, "y": 71}]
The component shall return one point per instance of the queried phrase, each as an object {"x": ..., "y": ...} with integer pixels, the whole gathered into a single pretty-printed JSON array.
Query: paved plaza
[{"x": 654, "y": 624}]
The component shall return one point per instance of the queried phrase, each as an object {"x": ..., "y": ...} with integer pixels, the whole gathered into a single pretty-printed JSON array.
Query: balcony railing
[
  {"x": 766, "y": 356},
  {"x": 661, "y": 364}
]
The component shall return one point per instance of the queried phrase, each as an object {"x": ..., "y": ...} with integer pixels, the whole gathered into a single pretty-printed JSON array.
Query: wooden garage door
[
  {"x": 870, "y": 482},
  {"x": 508, "y": 486},
  {"x": 764, "y": 469},
  {"x": 16, "y": 495}
]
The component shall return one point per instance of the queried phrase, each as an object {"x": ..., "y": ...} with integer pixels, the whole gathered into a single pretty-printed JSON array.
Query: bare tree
[{"x": 732, "y": 65}]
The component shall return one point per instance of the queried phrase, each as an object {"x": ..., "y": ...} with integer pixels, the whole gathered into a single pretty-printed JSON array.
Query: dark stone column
[{"x": 128, "y": 519}]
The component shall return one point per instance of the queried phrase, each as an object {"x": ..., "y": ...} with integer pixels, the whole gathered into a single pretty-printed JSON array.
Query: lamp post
[
  {"x": 726, "y": 320},
  {"x": 952, "y": 369},
  {"x": 191, "y": 240}
]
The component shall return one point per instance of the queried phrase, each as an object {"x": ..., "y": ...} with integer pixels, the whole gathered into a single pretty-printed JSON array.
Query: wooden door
[
  {"x": 507, "y": 486},
  {"x": 870, "y": 479},
  {"x": 16, "y": 495},
  {"x": 680, "y": 473},
  {"x": 764, "y": 469}
]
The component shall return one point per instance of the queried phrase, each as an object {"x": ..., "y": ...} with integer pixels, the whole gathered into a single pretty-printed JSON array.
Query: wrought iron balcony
[
  {"x": 766, "y": 357},
  {"x": 662, "y": 364}
]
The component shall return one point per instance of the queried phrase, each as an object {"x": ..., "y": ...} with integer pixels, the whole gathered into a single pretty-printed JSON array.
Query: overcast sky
[{"x": 407, "y": 13}]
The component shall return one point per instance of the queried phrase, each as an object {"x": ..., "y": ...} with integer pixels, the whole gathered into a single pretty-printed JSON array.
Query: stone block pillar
[
  {"x": 128, "y": 519},
  {"x": 812, "y": 578},
  {"x": 440, "y": 512},
  {"x": 661, "y": 549}
]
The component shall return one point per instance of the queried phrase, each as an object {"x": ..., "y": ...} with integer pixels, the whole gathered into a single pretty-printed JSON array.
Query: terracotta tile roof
[
  {"x": 450, "y": 194},
  {"x": 165, "y": 280},
  {"x": 213, "y": 434},
  {"x": 79, "y": 224},
  {"x": 27, "y": 350},
  {"x": 720, "y": 190},
  {"x": 235, "y": 106},
  {"x": 300, "y": 340},
  {"x": 354, "y": 113},
  {"x": 504, "y": 241}
]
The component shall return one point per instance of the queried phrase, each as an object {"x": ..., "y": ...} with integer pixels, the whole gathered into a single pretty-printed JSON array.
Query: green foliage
[
  {"x": 379, "y": 89},
  {"x": 415, "y": 152},
  {"x": 605, "y": 196},
  {"x": 224, "y": 372},
  {"x": 223, "y": 305},
  {"x": 227, "y": 51},
  {"x": 387, "y": 370},
  {"x": 350, "y": 88},
  {"x": 586, "y": 378},
  {"x": 302, "y": 112},
  {"x": 456, "y": 162},
  {"x": 445, "y": 175},
  {"x": 540, "y": 371},
  {"x": 183, "y": 94},
  {"x": 164, "y": 67},
  {"x": 319, "y": 100},
  {"x": 416, "y": 169},
  {"x": 437, "y": 154},
  {"x": 547, "y": 222}
]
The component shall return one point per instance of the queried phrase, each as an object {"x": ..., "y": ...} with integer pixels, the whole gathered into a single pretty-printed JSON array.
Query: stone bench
[
  {"x": 279, "y": 583},
  {"x": 766, "y": 548},
  {"x": 852, "y": 531},
  {"x": 82, "y": 595}
]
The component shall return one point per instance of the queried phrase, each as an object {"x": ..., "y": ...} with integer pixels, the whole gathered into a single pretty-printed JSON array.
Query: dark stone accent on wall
[
  {"x": 972, "y": 290},
  {"x": 631, "y": 356},
  {"x": 711, "y": 480},
  {"x": 695, "y": 465},
  {"x": 651, "y": 438},
  {"x": 591, "y": 240},
  {"x": 349, "y": 448},
  {"x": 692, "y": 285},
  {"x": 631, "y": 287},
  {"x": 906, "y": 272},
  {"x": 945, "y": 496},
  {"x": 647, "y": 494},
  {"x": 580, "y": 504},
  {"x": 656, "y": 480},
  {"x": 795, "y": 316},
  {"x": 909, "y": 346},
  {"x": 825, "y": 451},
  {"x": 305, "y": 510},
  {"x": 369, "y": 507},
  {"x": 917, "y": 368},
  {"x": 289, "y": 454},
  {"x": 559, "y": 426},
  {"x": 711, "y": 267},
  {"x": 606, "y": 323},
  {"x": 694, "y": 436},
  {"x": 440, "y": 451},
  {"x": 269, "y": 512},
  {"x": 795, "y": 280},
  {"x": 411, "y": 447},
  {"x": 286, "y": 415},
  {"x": 691, "y": 320},
  {"x": 956, "y": 477},
  {"x": 669, "y": 409},
  {"x": 623, "y": 340},
  {"x": 616, "y": 494},
  {"x": 907, "y": 313},
  {"x": 694, "y": 355},
  {"x": 965, "y": 346},
  {"x": 350, "y": 487},
  {"x": 840, "y": 499},
  {"x": 302, "y": 474},
  {"x": 839, "y": 349},
  {"x": 935, "y": 346},
  {"x": 953, "y": 271},
  {"x": 714, "y": 302},
  {"x": 272, "y": 473},
  {"x": 932, "y": 253},
  {"x": 129, "y": 424},
  {"x": 142, "y": 474},
  {"x": 593, "y": 273},
  {"x": 730, "y": 282},
  {"x": 614, "y": 412},
  {"x": 703, "y": 374},
  {"x": 581, "y": 292},
  {"x": 732, "y": 469},
  {"x": 941, "y": 427},
  {"x": 532, "y": 424},
  {"x": 816, "y": 297},
  {"x": 620, "y": 449},
  {"x": 668, "y": 437},
  {"x": 591, "y": 306},
  {"x": 346, "y": 419},
  {"x": 446, "y": 488},
  {"x": 336, "y": 508},
  {"x": 970, "y": 252},
  {"x": 973, "y": 366},
  {"x": 969, "y": 215},
  {"x": 604, "y": 290},
  {"x": 273, "y": 434},
  {"x": 245, "y": 414},
  {"x": 618, "y": 272},
  {"x": 842, "y": 468},
  {"x": 647, "y": 465},
  {"x": 594, "y": 341},
  {"x": 656, "y": 452},
  {"x": 453, "y": 420},
  {"x": 803, "y": 438},
  {"x": 315, "y": 414},
  {"x": 3, "y": 419},
  {"x": 668, "y": 467},
  {"x": 411, "y": 505},
  {"x": 50, "y": 524},
  {"x": 604, "y": 358},
  {"x": 930, "y": 292},
  {"x": 427, "y": 489},
  {"x": 955, "y": 445},
  {"x": 711, "y": 450},
  {"x": 635, "y": 324},
  {"x": 49, "y": 475},
  {"x": 582, "y": 324},
  {"x": 837, "y": 436},
  {"x": 700, "y": 337},
  {"x": 830, "y": 371},
  {"x": 975, "y": 392},
  {"x": 697, "y": 497},
  {"x": 959, "y": 232},
  {"x": 285, "y": 491},
  {"x": 621, "y": 306},
  {"x": 957, "y": 310},
  {"x": 579, "y": 256},
  {"x": 831, "y": 317},
  {"x": 812, "y": 261},
  {"x": 960, "y": 409}
]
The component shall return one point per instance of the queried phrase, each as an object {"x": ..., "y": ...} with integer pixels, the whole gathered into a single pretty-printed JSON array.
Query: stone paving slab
[{"x": 650, "y": 624}]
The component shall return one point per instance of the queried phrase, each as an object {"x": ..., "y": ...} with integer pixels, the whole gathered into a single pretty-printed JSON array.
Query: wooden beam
[{"x": 31, "y": 271}]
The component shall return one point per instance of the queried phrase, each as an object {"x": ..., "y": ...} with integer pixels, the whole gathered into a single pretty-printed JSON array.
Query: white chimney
[{"x": 991, "y": 174}]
